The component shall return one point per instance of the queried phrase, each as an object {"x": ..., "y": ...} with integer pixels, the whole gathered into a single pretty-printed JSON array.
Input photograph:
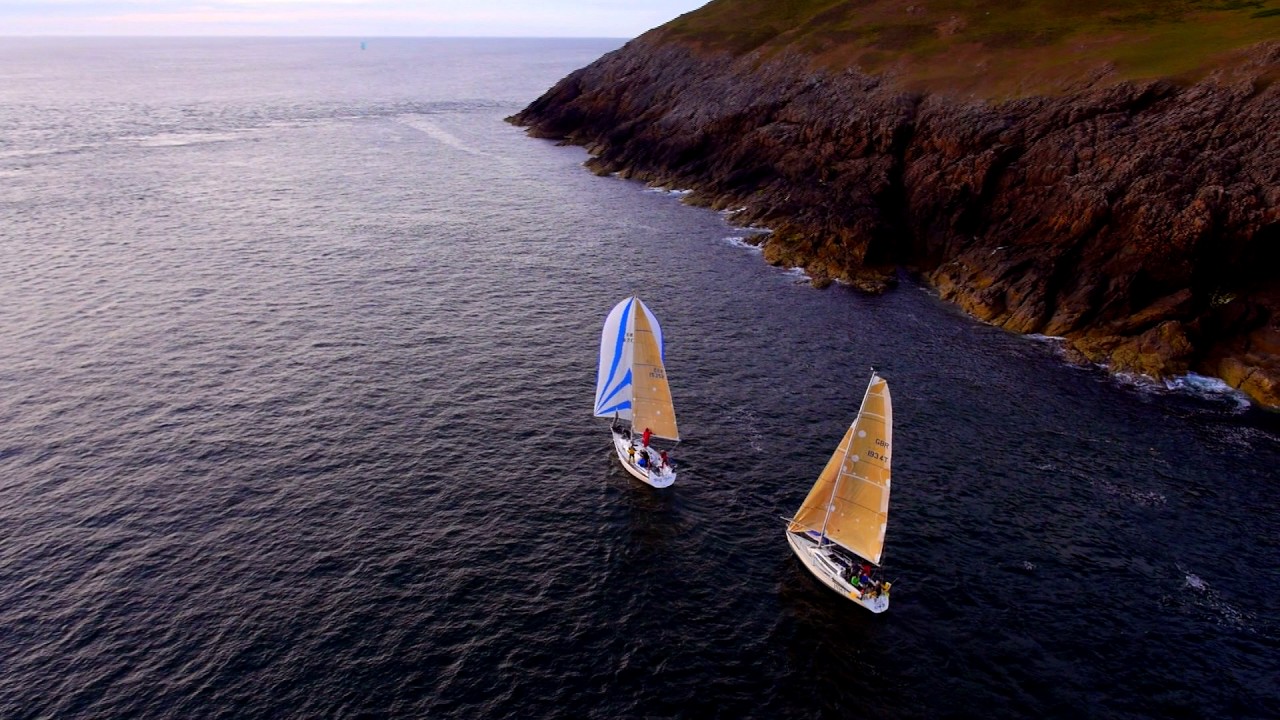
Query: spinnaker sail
[{"x": 631, "y": 381}]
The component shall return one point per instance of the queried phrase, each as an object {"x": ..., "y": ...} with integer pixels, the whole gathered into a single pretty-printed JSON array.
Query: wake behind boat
[
  {"x": 631, "y": 388},
  {"x": 838, "y": 532}
]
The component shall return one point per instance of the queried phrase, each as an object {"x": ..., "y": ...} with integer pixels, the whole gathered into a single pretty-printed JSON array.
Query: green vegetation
[{"x": 992, "y": 48}]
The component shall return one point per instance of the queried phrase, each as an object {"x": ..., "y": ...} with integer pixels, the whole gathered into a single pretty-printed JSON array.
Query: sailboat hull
[
  {"x": 817, "y": 561},
  {"x": 659, "y": 479}
]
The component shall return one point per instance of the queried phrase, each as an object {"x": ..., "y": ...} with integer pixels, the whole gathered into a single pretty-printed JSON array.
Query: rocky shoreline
[{"x": 1138, "y": 220}]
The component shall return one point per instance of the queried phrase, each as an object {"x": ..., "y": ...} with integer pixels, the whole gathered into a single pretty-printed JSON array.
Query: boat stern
[
  {"x": 818, "y": 562},
  {"x": 662, "y": 478},
  {"x": 877, "y": 603}
]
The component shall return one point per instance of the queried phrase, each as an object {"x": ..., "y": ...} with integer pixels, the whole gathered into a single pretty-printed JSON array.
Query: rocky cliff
[{"x": 1138, "y": 218}]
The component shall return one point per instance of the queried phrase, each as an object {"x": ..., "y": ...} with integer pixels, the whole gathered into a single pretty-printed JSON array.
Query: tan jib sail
[
  {"x": 651, "y": 396},
  {"x": 849, "y": 503}
]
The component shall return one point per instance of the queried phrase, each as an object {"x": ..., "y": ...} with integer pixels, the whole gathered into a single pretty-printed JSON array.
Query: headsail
[
  {"x": 849, "y": 503},
  {"x": 651, "y": 395}
]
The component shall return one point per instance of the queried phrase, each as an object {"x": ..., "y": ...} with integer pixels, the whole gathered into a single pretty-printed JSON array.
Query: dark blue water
[{"x": 296, "y": 374}]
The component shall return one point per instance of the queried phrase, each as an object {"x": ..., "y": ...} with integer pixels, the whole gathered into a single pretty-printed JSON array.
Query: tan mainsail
[
  {"x": 651, "y": 396},
  {"x": 849, "y": 503}
]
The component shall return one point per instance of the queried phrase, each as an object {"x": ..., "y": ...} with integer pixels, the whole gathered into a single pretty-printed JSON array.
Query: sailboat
[
  {"x": 838, "y": 532},
  {"x": 631, "y": 388}
]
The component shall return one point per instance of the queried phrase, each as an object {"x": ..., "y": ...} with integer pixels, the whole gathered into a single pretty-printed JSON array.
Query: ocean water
[{"x": 295, "y": 389}]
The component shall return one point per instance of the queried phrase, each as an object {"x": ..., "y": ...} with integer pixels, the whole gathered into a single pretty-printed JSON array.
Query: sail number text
[{"x": 877, "y": 455}]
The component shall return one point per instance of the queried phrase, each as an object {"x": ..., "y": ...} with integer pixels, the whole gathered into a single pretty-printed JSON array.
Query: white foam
[
  {"x": 742, "y": 243},
  {"x": 40, "y": 152},
  {"x": 1205, "y": 387},
  {"x": 1201, "y": 595},
  {"x": 1135, "y": 380},
  {"x": 799, "y": 274},
  {"x": 665, "y": 191},
  {"x": 747, "y": 427},
  {"x": 1147, "y": 498},
  {"x": 183, "y": 139},
  {"x": 1144, "y": 384},
  {"x": 440, "y": 135},
  {"x": 1191, "y": 384}
]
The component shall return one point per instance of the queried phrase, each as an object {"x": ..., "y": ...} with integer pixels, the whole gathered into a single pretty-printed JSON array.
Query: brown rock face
[{"x": 1139, "y": 220}]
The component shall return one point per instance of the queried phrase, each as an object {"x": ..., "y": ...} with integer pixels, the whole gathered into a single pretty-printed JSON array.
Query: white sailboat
[
  {"x": 838, "y": 532},
  {"x": 631, "y": 388}
]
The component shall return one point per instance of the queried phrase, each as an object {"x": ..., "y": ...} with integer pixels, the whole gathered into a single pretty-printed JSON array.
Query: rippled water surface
[{"x": 295, "y": 389}]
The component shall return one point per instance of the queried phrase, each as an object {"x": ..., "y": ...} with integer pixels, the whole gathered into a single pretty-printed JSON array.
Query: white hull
[
  {"x": 657, "y": 477},
  {"x": 818, "y": 562}
]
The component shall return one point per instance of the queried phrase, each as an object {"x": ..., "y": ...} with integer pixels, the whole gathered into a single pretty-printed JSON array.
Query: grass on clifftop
[{"x": 991, "y": 48}]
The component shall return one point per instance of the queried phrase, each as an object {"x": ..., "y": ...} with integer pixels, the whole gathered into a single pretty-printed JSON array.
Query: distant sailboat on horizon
[
  {"x": 632, "y": 389},
  {"x": 845, "y": 514}
]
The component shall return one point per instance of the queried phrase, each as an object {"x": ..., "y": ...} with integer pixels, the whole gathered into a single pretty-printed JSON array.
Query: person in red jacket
[{"x": 645, "y": 438}]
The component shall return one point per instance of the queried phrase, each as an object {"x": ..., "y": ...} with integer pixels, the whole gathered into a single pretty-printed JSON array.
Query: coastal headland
[{"x": 1108, "y": 173}]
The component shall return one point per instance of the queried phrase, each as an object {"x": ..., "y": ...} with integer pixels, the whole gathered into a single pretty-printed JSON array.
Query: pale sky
[{"x": 345, "y": 18}]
